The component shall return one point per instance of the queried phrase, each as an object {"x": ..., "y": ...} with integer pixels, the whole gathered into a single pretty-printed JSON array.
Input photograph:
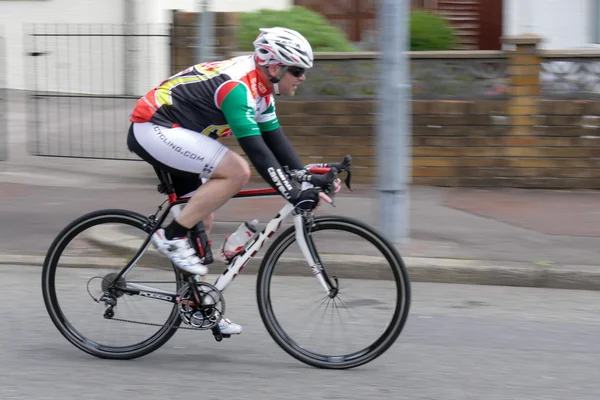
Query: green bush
[
  {"x": 430, "y": 32},
  {"x": 315, "y": 27}
]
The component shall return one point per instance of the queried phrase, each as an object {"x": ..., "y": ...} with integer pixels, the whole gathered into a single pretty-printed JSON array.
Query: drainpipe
[
  {"x": 205, "y": 31},
  {"x": 394, "y": 121},
  {"x": 129, "y": 47}
]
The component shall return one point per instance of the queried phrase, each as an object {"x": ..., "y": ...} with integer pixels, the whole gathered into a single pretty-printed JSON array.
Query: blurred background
[
  {"x": 498, "y": 86},
  {"x": 504, "y": 167}
]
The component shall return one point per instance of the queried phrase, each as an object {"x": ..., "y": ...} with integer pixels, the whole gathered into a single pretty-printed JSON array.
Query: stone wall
[
  {"x": 475, "y": 144},
  {"x": 456, "y": 143}
]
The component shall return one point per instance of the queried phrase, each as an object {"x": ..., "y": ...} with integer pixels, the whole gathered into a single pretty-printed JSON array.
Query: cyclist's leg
[
  {"x": 185, "y": 186},
  {"x": 182, "y": 151},
  {"x": 228, "y": 178}
]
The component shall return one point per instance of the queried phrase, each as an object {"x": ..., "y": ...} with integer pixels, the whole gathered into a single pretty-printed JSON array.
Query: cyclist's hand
[
  {"x": 337, "y": 187},
  {"x": 337, "y": 184},
  {"x": 324, "y": 197},
  {"x": 308, "y": 199}
]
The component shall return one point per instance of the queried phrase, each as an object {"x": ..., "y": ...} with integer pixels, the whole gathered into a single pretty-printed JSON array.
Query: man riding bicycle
[{"x": 175, "y": 127}]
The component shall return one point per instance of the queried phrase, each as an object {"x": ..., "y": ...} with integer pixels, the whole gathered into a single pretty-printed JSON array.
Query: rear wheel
[{"x": 80, "y": 266}]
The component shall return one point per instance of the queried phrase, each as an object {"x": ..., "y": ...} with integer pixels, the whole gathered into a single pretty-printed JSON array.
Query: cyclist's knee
[
  {"x": 234, "y": 168},
  {"x": 243, "y": 173}
]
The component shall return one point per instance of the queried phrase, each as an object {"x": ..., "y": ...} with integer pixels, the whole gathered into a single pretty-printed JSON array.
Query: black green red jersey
[{"x": 216, "y": 99}]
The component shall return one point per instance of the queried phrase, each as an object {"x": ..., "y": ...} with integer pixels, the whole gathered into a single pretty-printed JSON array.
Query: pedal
[{"x": 217, "y": 333}]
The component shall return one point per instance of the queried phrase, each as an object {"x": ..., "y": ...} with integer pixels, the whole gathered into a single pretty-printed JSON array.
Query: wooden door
[
  {"x": 353, "y": 17},
  {"x": 478, "y": 22}
]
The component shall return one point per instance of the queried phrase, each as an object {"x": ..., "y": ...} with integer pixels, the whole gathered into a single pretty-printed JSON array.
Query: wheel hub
[{"x": 109, "y": 285}]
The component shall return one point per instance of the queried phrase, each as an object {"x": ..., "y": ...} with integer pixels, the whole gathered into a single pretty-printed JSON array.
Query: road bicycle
[{"x": 327, "y": 261}]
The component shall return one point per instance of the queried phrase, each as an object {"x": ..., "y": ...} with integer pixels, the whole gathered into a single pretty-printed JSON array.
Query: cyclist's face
[{"x": 290, "y": 81}]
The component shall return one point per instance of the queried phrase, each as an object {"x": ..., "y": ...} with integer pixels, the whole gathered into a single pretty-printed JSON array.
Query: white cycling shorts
[{"x": 180, "y": 148}]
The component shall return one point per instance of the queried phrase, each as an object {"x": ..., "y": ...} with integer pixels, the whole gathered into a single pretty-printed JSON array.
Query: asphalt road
[{"x": 460, "y": 342}]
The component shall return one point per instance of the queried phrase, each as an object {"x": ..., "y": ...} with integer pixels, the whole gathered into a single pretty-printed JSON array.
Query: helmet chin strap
[{"x": 275, "y": 80}]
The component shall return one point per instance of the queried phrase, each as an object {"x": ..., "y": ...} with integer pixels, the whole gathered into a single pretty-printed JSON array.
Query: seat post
[{"x": 166, "y": 183}]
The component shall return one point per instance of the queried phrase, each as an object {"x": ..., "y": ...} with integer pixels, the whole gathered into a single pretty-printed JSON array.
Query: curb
[{"x": 420, "y": 269}]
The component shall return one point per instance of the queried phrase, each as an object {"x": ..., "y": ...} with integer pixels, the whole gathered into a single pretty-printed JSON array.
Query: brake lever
[
  {"x": 329, "y": 189},
  {"x": 345, "y": 166},
  {"x": 336, "y": 168},
  {"x": 348, "y": 179}
]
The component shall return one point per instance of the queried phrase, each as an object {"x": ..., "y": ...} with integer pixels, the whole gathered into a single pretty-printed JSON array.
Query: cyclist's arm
[
  {"x": 282, "y": 148},
  {"x": 268, "y": 167},
  {"x": 236, "y": 104},
  {"x": 274, "y": 136}
]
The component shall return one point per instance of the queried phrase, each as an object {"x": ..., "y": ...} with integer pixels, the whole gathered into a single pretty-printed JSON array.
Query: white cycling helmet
[{"x": 283, "y": 46}]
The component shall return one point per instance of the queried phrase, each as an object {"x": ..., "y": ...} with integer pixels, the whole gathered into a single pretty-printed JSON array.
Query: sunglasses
[{"x": 296, "y": 71}]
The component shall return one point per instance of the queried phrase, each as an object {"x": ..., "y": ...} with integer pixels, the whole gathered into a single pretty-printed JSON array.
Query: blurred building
[
  {"x": 564, "y": 24},
  {"x": 69, "y": 18},
  {"x": 55, "y": 39}
]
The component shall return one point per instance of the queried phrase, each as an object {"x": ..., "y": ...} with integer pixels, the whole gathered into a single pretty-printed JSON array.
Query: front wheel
[{"x": 346, "y": 327}]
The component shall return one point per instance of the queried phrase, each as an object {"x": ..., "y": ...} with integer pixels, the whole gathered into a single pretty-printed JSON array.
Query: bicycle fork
[{"x": 309, "y": 251}]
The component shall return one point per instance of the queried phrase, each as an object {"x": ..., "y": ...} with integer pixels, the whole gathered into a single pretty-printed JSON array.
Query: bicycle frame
[{"x": 238, "y": 263}]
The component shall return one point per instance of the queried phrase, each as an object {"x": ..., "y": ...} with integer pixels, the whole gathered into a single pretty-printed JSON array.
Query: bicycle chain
[
  {"x": 191, "y": 328},
  {"x": 161, "y": 325}
]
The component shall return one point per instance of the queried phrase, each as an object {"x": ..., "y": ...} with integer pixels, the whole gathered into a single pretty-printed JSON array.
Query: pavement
[
  {"x": 535, "y": 238},
  {"x": 511, "y": 237}
]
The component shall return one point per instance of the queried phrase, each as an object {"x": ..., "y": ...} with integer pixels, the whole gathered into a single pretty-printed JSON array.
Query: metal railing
[
  {"x": 454, "y": 75},
  {"x": 85, "y": 82},
  {"x": 571, "y": 74},
  {"x": 434, "y": 75}
]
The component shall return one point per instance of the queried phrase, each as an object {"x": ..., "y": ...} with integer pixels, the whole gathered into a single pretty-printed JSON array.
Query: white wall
[
  {"x": 72, "y": 72},
  {"x": 563, "y": 24},
  {"x": 16, "y": 14}
]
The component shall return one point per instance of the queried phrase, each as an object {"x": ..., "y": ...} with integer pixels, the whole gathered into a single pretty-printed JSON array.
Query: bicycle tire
[
  {"x": 54, "y": 253},
  {"x": 319, "y": 360}
]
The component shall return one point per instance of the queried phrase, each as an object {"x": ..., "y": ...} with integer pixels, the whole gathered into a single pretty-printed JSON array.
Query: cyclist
[{"x": 176, "y": 124}]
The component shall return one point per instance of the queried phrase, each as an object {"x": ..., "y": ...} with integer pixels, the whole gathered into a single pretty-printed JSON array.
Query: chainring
[{"x": 201, "y": 316}]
